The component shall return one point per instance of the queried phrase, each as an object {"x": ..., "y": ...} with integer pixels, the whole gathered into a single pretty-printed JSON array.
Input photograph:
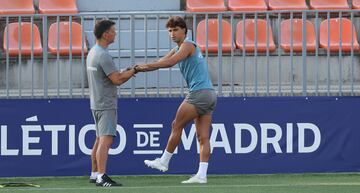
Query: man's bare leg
[
  {"x": 94, "y": 170},
  {"x": 202, "y": 124},
  {"x": 102, "y": 153},
  {"x": 185, "y": 114}
]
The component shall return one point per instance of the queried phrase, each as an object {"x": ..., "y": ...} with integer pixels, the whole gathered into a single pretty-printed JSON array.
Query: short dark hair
[
  {"x": 101, "y": 27},
  {"x": 176, "y": 21}
]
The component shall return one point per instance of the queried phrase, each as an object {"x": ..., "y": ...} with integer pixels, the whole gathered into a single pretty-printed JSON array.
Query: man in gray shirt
[{"x": 103, "y": 78}]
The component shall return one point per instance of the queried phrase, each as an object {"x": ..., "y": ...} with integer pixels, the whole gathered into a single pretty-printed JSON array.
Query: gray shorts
[
  {"x": 203, "y": 100},
  {"x": 105, "y": 122}
]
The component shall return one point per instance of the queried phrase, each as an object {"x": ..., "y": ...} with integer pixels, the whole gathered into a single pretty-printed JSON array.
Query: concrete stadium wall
[
  {"x": 287, "y": 73},
  {"x": 164, "y": 44},
  {"x": 53, "y": 72},
  {"x": 138, "y": 5},
  {"x": 126, "y": 5}
]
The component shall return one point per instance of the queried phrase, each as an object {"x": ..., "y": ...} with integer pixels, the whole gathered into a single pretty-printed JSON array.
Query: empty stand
[
  {"x": 25, "y": 39},
  {"x": 16, "y": 7},
  {"x": 287, "y": 5},
  {"x": 205, "y": 5},
  {"x": 246, "y": 5},
  {"x": 356, "y": 4},
  {"x": 213, "y": 40},
  {"x": 58, "y": 7},
  {"x": 250, "y": 36},
  {"x": 329, "y": 4},
  {"x": 297, "y": 35},
  {"x": 64, "y": 39},
  {"x": 334, "y": 31}
]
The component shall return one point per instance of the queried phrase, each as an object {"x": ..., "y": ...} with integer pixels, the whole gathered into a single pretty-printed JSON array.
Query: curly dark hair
[{"x": 176, "y": 21}]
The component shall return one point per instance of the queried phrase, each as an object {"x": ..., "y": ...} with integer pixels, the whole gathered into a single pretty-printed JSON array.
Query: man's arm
[
  {"x": 168, "y": 55},
  {"x": 119, "y": 78},
  {"x": 186, "y": 49},
  {"x": 116, "y": 77}
]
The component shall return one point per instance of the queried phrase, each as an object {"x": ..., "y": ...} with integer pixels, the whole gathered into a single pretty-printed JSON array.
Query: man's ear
[{"x": 104, "y": 36}]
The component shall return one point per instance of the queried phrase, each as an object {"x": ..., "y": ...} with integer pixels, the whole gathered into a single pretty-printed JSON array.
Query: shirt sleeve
[{"x": 107, "y": 64}]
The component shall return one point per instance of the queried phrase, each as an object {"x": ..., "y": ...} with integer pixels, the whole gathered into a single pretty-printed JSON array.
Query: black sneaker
[
  {"x": 92, "y": 181},
  {"x": 107, "y": 182}
]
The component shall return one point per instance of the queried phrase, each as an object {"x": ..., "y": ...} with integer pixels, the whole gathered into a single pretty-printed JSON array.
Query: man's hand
[
  {"x": 131, "y": 68},
  {"x": 120, "y": 77},
  {"x": 140, "y": 68}
]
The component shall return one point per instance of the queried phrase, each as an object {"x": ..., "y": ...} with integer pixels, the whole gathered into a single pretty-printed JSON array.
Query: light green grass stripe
[{"x": 194, "y": 186}]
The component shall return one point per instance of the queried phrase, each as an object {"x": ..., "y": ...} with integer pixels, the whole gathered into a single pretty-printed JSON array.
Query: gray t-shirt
[{"x": 99, "y": 66}]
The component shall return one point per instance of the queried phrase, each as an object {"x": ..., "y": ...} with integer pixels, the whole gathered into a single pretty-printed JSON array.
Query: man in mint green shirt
[{"x": 198, "y": 104}]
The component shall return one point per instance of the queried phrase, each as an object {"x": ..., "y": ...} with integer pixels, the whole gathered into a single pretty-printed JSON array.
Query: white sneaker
[
  {"x": 195, "y": 179},
  {"x": 156, "y": 164}
]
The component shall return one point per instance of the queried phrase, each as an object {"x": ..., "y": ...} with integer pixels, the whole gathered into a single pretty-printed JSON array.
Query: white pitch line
[{"x": 194, "y": 186}]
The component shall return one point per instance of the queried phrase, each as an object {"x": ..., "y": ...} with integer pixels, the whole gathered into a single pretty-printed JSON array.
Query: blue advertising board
[{"x": 41, "y": 137}]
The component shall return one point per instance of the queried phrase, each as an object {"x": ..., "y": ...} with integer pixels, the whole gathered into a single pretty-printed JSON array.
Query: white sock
[
  {"x": 203, "y": 166},
  {"x": 165, "y": 158},
  {"x": 94, "y": 175},
  {"x": 99, "y": 178}
]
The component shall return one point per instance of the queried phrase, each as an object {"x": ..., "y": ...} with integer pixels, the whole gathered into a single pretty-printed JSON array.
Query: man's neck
[
  {"x": 102, "y": 43},
  {"x": 180, "y": 42}
]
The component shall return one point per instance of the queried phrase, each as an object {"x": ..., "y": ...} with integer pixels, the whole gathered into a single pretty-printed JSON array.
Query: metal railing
[{"x": 143, "y": 38}]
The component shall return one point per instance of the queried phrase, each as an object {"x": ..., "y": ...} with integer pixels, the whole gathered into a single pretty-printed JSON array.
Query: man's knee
[
  {"x": 173, "y": 124},
  {"x": 202, "y": 139},
  {"x": 106, "y": 141},
  {"x": 176, "y": 127}
]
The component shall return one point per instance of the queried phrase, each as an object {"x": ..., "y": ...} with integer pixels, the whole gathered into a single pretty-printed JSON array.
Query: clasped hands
[{"x": 137, "y": 68}]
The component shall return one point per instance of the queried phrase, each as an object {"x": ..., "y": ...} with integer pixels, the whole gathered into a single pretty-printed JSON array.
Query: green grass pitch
[{"x": 277, "y": 183}]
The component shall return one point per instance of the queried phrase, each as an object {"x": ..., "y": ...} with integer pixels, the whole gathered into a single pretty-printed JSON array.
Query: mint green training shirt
[{"x": 195, "y": 70}]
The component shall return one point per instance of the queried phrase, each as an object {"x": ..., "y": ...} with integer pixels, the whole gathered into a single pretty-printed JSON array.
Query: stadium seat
[
  {"x": 347, "y": 26},
  {"x": 297, "y": 35},
  {"x": 64, "y": 39},
  {"x": 246, "y": 5},
  {"x": 250, "y": 36},
  {"x": 57, "y": 7},
  {"x": 356, "y": 4},
  {"x": 205, "y": 5},
  {"x": 16, "y": 7},
  {"x": 287, "y": 5},
  {"x": 25, "y": 29},
  {"x": 328, "y": 4},
  {"x": 213, "y": 36}
]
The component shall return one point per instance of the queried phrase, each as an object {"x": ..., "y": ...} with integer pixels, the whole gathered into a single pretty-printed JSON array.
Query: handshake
[{"x": 136, "y": 68}]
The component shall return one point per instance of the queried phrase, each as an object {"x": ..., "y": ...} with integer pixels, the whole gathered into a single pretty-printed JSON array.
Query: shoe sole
[
  {"x": 184, "y": 182},
  {"x": 114, "y": 185},
  {"x": 150, "y": 166},
  {"x": 194, "y": 180}
]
